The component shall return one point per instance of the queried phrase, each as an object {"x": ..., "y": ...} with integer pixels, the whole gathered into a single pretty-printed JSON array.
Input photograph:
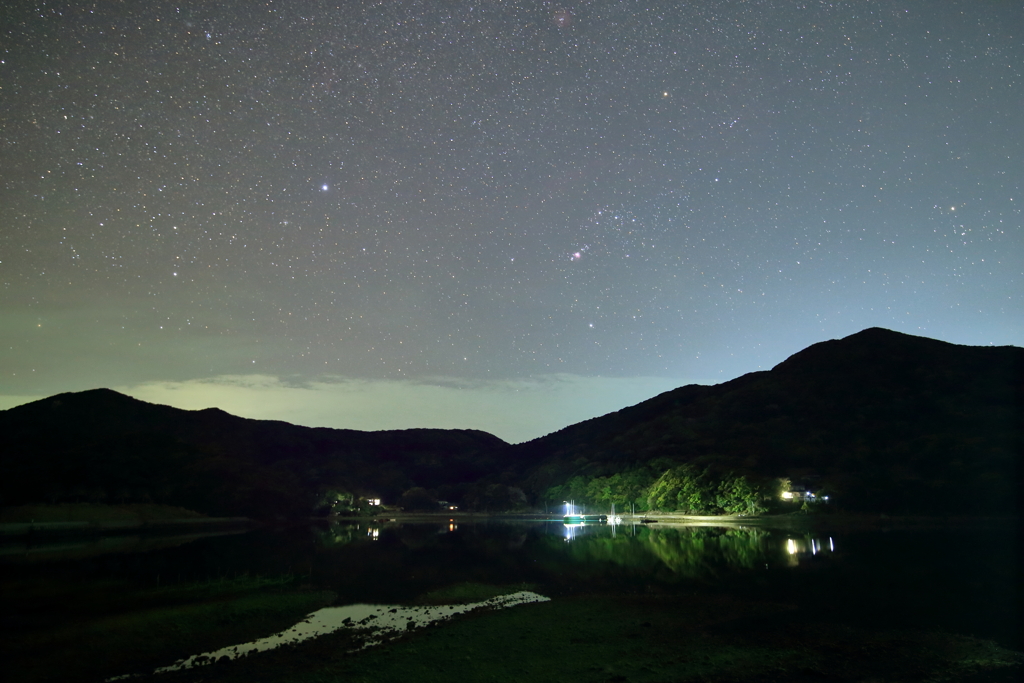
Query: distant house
[
  {"x": 797, "y": 495},
  {"x": 803, "y": 492}
]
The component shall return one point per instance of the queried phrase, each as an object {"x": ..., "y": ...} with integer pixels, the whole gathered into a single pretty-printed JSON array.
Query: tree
[
  {"x": 334, "y": 501},
  {"x": 706, "y": 490},
  {"x": 417, "y": 499},
  {"x": 738, "y": 494}
]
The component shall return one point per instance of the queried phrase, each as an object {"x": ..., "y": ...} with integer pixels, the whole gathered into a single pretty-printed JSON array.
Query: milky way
[{"x": 470, "y": 193}]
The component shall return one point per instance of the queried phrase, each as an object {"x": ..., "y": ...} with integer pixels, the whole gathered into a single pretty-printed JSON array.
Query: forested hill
[
  {"x": 884, "y": 420},
  {"x": 102, "y": 446}
]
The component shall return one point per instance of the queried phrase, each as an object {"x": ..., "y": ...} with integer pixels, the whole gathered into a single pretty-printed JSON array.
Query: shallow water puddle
[{"x": 380, "y": 622}]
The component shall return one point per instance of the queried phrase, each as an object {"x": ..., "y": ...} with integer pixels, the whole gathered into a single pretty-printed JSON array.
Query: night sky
[{"x": 500, "y": 215}]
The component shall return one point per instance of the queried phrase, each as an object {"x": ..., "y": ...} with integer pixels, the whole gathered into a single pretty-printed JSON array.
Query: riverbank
[
  {"x": 87, "y": 518},
  {"x": 633, "y": 639},
  {"x": 820, "y": 521},
  {"x": 786, "y": 521},
  {"x": 100, "y": 519}
]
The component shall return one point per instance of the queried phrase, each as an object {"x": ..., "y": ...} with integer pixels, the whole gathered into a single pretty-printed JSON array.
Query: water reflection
[
  {"x": 691, "y": 551},
  {"x": 807, "y": 546},
  {"x": 663, "y": 552},
  {"x": 572, "y": 531},
  {"x": 917, "y": 576}
]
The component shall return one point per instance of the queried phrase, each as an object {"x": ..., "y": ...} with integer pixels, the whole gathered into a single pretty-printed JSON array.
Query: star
[{"x": 438, "y": 176}]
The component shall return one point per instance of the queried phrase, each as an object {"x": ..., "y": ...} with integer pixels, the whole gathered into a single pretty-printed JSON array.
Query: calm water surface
[{"x": 965, "y": 581}]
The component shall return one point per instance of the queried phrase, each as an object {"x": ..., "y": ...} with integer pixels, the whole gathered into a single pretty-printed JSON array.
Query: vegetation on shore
[{"x": 700, "y": 487}]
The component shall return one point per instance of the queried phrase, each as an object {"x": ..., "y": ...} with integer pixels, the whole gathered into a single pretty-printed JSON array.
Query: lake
[{"x": 945, "y": 598}]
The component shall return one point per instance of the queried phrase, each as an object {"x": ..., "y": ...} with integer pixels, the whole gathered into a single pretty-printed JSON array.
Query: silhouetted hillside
[
  {"x": 886, "y": 421},
  {"x": 881, "y": 420},
  {"x": 100, "y": 445}
]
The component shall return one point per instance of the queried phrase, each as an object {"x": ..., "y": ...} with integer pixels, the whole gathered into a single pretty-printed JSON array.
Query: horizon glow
[{"x": 449, "y": 209}]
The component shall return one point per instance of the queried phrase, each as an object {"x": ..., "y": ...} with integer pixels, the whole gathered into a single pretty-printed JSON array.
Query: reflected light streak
[{"x": 377, "y": 622}]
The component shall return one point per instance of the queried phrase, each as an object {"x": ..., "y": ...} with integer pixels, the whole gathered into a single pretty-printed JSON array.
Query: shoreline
[
  {"x": 112, "y": 520},
  {"x": 793, "y": 520},
  {"x": 111, "y": 527}
]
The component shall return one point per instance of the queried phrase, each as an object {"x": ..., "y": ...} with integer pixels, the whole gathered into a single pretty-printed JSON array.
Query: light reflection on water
[
  {"x": 959, "y": 577},
  {"x": 603, "y": 554},
  {"x": 375, "y": 623},
  {"x": 688, "y": 550},
  {"x": 695, "y": 549},
  {"x": 797, "y": 547}
]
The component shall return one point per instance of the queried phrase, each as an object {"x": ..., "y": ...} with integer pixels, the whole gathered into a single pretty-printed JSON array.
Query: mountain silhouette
[
  {"x": 103, "y": 446},
  {"x": 884, "y": 421},
  {"x": 887, "y": 421}
]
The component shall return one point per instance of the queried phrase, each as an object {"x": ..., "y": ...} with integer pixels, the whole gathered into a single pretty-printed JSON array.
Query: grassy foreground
[
  {"x": 654, "y": 638},
  {"x": 640, "y": 639},
  {"x": 112, "y": 628}
]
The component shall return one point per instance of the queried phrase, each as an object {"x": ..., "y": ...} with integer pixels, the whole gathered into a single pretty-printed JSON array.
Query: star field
[{"x": 485, "y": 191}]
